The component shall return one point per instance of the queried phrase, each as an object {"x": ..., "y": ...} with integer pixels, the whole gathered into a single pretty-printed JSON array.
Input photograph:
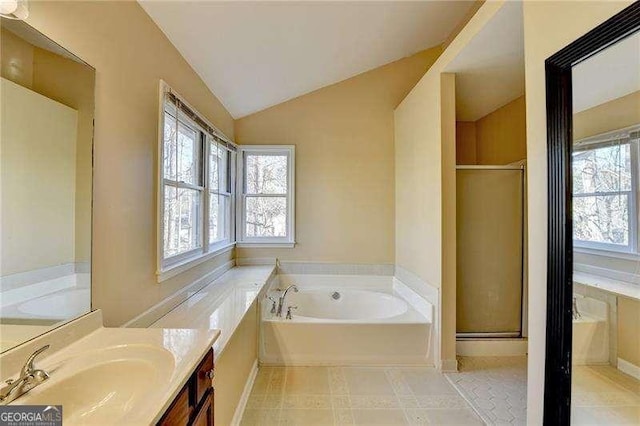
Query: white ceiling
[
  {"x": 253, "y": 55},
  {"x": 611, "y": 74},
  {"x": 490, "y": 69}
]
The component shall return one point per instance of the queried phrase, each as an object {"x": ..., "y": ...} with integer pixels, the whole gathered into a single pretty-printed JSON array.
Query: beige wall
[
  {"x": 344, "y": 163},
  {"x": 548, "y": 27},
  {"x": 497, "y": 138},
  {"x": 234, "y": 367},
  {"x": 38, "y": 180},
  {"x": 425, "y": 181},
  {"x": 629, "y": 330},
  {"x": 71, "y": 84},
  {"x": 613, "y": 115},
  {"x": 466, "y": 142},
  {"x": 130, "y": 55},
  {"x": 501, "y": 135}
]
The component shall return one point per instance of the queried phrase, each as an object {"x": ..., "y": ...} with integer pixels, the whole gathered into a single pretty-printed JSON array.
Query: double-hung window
[
  {"x": 196, "y": 185},
  {"x": 605, "y": 185},
  {"x": 266, "y": 205}
]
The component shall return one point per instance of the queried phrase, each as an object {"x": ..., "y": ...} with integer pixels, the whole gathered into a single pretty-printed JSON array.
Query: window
[
  {"x": 605, "y": 183},
  {"x": 267, "y": 196},
  {"x": 196, "y": 188}
]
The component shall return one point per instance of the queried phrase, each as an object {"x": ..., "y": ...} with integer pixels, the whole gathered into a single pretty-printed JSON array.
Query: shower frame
[{"x": 523, "y": 307}]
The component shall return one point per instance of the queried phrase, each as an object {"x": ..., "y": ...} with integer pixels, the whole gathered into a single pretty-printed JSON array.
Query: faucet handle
[
  {"x": 28, "y": 366},
  {"x": 273, "y": 304},
  {"x": 289, "y": 311}
]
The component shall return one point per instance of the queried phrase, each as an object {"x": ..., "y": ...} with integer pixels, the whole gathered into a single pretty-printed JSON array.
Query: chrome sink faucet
[
  {"x": 30, "y": 377},
  {"x": 282, "y": 298}
]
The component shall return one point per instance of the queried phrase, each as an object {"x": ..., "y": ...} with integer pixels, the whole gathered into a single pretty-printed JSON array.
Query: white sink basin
[{"x": 106, "y": 386}]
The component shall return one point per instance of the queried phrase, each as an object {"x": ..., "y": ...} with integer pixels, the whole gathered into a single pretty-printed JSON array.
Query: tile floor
[
  {"x": 602, "y": 395},
  {"x": 355, "y": 396},
  {"x": 496, "y": 387}
]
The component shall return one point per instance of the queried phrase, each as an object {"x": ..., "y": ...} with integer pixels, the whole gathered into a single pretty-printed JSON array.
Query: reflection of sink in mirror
[
  {"x": 104, "y": 387},
  {"x": 60, "y": 305}
]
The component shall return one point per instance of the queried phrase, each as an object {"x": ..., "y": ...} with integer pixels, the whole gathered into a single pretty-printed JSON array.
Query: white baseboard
[
  {"x": 628, "y": 368},
  {"x": 449, "y": 366},
  {"x": 244, "y": 398},
  {"x": 492, "y": 347}
]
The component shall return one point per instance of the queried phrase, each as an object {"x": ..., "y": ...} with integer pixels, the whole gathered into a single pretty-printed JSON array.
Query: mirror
[
  {"x": 605, "y": 165},
  {"x": 46, "y": 150}
]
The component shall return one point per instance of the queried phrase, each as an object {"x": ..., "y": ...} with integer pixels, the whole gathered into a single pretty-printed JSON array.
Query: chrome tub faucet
[
  {"x": 576, "y": 313},
  {"x": 282, "y": 298},
  {"x": 30, "y": 377}
]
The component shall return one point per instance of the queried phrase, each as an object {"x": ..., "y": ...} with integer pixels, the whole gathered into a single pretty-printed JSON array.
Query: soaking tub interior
[{"x": 346, "y": 320}]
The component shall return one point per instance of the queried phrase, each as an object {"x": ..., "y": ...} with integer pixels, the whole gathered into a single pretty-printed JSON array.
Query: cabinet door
[
  {"x": 180, "y": 411},
  {"x": 204, "y": 416},
  {"x": 203, "y": 376}
]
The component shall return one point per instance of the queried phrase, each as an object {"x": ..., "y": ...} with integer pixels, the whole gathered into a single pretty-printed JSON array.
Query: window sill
[
  {"x": 617, "y": 287},
  {"x": 189, "y": 263},
  {"x": 607, "y": 253},
  {"x": 265, "y": 245}
]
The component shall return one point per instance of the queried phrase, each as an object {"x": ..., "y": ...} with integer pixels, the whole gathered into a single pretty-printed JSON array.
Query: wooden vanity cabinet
[{"x": 194, "y": 403}]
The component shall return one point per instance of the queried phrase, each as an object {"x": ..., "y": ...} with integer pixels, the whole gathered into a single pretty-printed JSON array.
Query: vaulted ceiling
[{"x": 253, "y": 55}]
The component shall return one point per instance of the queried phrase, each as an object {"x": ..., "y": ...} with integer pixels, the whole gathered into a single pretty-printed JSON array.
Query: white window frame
[
  {"x": 614, "y": 250},
  {"x": 174, "y": 265},
  {"x": 274, "y": 242}
]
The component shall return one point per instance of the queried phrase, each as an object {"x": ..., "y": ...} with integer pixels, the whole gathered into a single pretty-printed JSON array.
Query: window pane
[
  {"x": 218, "y": 168},
  {"x": 181, "y": 220},
  {"x": 604, "y": 169},
  {"x": 170, "y": 147},
  {"x": 601, "y": 219},
  {"x": 266, "y": 217},
  {"x": 218, "y": 218},
  {"x": 266, "y": 174},
  {"x": 181, "y": 157}
]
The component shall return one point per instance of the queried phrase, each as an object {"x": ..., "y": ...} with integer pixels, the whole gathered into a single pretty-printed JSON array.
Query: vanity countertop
[
  {"x": 222, "y": 304},
  {"x": 120, "y": 375}
]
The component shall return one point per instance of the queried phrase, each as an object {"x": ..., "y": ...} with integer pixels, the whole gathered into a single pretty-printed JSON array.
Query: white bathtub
[
  {"x": 590, "y": 343},
  {"x": 372, "y": 321}
]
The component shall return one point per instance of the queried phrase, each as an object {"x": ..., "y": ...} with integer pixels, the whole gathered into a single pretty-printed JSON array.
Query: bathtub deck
[{"x": 355, "y": 395}]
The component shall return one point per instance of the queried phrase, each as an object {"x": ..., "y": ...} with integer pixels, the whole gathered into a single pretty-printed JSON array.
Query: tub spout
[{"x": 282, "y": 298}]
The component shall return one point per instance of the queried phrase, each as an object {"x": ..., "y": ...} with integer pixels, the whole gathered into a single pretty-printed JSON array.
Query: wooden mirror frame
[{"x": 557, "y": 386}]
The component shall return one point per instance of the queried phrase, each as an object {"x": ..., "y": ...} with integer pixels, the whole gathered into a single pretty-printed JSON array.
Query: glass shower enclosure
[{"x": 490, "y": 250}]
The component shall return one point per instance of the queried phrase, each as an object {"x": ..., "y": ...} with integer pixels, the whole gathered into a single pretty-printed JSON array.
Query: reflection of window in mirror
[
  {"x": 605, "y": 176},
  {"x": 47, "y": 97}
]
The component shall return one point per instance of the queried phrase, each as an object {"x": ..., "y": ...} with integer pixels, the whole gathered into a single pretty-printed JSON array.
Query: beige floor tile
[
  {"x": 301, "y": 417},
  {"x": 307, "y": 380},
  {"x": 337, "y": 381},
  {"x": 253, "y": 417},
  {"x": 374, "y": 401},
  {"x": 307, "y": 401},
  {"x": 605, "y": 416},
  {"x": 441, "y": 401},
  {"x": 428, "y": 382},
  {"x": 367, "y": 381},
  {"x": 379, "y": 417},
  {"x": 343, "y": 417},
  {"x": 629, "y": 383},
  {"x": 262, "y": 380},
  {"x": 452, "y": 417},
  {"x": 341, "y": 401}
]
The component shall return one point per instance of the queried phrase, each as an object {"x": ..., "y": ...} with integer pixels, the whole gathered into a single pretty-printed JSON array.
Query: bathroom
[{"x": 261, "y": 221}]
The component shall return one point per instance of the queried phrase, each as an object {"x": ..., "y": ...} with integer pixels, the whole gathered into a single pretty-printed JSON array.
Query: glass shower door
[{"x": 489, "y": 250}]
